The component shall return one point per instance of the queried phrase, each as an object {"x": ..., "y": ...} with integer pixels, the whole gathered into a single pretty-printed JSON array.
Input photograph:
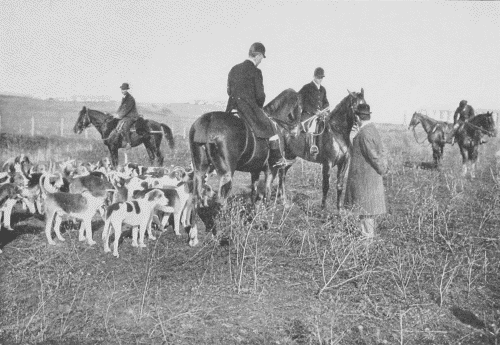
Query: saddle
[
  {"x": 312, "y": 127},
  {"x": 139, "y": 125}
]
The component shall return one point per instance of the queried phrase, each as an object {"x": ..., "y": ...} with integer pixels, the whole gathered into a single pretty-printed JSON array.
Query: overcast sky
[{"x": 406, "y": 55}]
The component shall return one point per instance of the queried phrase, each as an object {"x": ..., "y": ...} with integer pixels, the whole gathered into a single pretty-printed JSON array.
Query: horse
[
  {"x": 333, "y": 143},
  {"x": 148, "y": 132},
  {"x": 222, "y": 142},
  {"x": 437, "y": 133},
  {"x": 468, "y": 137}
]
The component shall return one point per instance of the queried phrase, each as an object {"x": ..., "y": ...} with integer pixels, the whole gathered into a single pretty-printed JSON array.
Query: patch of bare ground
[{"x": 275, "y": 274}]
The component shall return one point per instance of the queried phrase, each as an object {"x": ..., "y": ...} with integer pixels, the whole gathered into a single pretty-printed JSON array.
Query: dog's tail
[{"x": 45, "y": 186}]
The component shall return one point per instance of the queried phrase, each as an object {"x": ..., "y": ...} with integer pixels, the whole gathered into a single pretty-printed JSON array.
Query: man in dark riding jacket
[
  {"x": 314, "y": 101},
  {"x": 463, "y": 114},
  {"x": 127, "y": 113},
  {"x": 246, "y": 94}
]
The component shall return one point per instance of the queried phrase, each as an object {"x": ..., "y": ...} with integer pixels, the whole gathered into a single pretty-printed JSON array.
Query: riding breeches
[{"x": 126, "y": 123}]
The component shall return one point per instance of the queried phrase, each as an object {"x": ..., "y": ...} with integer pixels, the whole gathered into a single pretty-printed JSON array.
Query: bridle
[{"x": 86, "y": 119}]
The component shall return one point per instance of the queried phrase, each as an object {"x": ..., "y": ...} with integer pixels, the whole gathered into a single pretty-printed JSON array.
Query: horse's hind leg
[
  {"x": 159, "y": 155},
  {"x": 201, "y": 165},
  {"x": 254, "y": 175},
  {"x": 225, "y": 165}
]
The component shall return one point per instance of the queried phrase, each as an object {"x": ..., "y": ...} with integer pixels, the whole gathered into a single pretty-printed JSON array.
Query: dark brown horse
[
  {"x": 333, "y": 144},
  {"x": 468, "y": 137},
  {"x": 437, "y": 133},
  {"x": 222, "y": 142},
  {"x": 146, "y": 132}
]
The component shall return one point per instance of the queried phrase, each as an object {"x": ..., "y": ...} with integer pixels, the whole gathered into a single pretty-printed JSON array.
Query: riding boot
[
  {"x": 127, "y": 123},
  {"x": 275, "y": 154}
]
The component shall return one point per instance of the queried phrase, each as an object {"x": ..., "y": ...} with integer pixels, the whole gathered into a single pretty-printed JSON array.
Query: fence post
[
  {"x": 32, "y": 126},
  {"x": 62, "y": 126}
]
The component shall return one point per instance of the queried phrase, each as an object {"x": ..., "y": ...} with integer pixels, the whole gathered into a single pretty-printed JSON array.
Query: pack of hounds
[{"x": 138, "y": 196}]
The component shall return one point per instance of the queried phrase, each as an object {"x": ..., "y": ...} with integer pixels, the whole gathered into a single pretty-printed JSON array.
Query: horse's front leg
[
  {"x": 281, "y": 183},
  {"x": 113, "y": 151},
  {"x": 474, "y": 155},
  {"x": 254, "y": 184},
  {"x": 436, "y": 153},
  {"x": 342, "y": 169},
  {"x": 326, "y": 182},
  {"x": 465, "y": 158}
]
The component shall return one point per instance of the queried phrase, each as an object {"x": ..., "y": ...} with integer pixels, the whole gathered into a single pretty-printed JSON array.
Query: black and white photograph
[{"x": 249, "y": 172}]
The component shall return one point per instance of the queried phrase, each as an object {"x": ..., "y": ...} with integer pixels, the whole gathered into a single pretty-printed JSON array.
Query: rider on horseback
[
  {"x": 463, "y": 114},
  {"x": 246, "y": 94},
  {"x": 315, "y": 104},
  {"x": 127, "y": 113}
]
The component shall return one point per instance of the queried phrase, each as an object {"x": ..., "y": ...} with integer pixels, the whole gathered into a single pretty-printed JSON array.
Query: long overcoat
[
  {"x": 365, "y": 188},
  {"x": 127, "y": 107},
  {"x": 246, "y": 94},
  {"x": 313, "y": 100}
]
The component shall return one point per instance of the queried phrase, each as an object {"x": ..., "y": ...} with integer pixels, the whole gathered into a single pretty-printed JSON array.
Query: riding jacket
[
  {"x": 313, "y": 100},
  {"x": 463, "y": 114},
  {"x": 246, "y": 94},
  {"x": 127, "y": 108}
]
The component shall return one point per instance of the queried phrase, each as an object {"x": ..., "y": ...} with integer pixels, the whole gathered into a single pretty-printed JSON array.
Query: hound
[
  {"x": 81, "y": 206},
  {"x": 136, "y": 213},
  {"x": 9, "y": 196}
]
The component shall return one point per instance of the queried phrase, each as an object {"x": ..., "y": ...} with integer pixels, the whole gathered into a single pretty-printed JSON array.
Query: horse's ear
[
  {"x": 362, "y": 92},
  {"x": 84, "y": 108}
]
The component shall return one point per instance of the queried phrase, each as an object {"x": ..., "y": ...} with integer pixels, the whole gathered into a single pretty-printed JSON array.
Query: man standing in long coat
[
  {"x": 245, "y": 88},
  {"x": 365, "y": 188}
]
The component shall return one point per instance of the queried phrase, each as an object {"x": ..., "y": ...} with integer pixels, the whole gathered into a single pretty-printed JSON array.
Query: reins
[
  {"x": 415, "y": 135},
  {"x": 490, "y": 133}
]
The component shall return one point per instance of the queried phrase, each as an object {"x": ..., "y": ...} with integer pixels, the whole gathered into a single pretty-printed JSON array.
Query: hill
[{"x": 51, "y": 116}]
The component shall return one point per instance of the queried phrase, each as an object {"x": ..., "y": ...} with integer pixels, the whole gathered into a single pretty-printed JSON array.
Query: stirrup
[
  {"x": 313, "y": 150},
  {"x": 283, "y": 162}
]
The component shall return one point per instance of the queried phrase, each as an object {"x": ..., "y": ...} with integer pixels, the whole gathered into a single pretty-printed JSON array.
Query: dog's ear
[{"x": 155, "y": 194}]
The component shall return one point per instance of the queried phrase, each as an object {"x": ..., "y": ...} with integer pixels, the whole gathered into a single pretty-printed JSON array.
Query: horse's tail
[{"x": 167, "y": 132}]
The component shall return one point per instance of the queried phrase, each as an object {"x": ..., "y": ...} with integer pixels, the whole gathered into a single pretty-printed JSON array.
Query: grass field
[{"x": 297, "y": 275}]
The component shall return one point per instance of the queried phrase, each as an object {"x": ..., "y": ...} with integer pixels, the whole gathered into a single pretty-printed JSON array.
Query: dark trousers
[{"x": 126, "y": 123}]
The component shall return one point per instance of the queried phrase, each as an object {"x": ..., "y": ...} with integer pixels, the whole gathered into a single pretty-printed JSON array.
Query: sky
[{"x": 405, "y": 55}]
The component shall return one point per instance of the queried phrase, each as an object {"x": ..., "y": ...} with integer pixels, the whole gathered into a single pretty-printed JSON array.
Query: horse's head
[
  {"x": 415, "y": 120},
  {"x": 342, "y": 116},
  {"x": 83, "y": 121},
  {"x": 286, "y": 110},
  {"x": 486, "y": 123}
]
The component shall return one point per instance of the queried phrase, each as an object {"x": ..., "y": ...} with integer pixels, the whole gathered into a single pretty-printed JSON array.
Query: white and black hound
[
  {"x": 80, "y": 205},
  {"x": 136, "y": 213}
]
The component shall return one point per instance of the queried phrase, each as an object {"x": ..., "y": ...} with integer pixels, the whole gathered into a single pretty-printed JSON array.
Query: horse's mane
[
  {"x": 278, "y": 101},
  {"x": 480, "y": 117},
  {"x": 341, "y": 108},
  {"x": 427, "y": 117}
]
